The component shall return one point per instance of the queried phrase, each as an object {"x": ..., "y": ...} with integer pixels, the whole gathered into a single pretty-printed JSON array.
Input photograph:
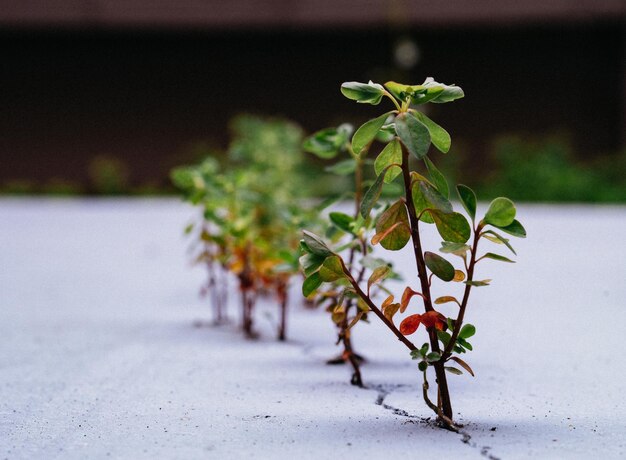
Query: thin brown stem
[
  {"x": 376, "y": 310},
  {"x": 358, "y": 182},
  {"x": 352, "y": 358},
  {"x": 224, "y": 292},
  {"x": 344, "y": 334},
  {"x": 459, "y": 320},
  {"x": 448, "y": 422},
  {"x": 282, "y": 299},
  {"x": 440, "y": 372},
  {"x": 427, "y": 400}
]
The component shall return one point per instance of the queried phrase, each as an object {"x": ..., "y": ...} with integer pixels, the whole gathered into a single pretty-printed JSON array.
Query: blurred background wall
[{"x": 134, "y": 87}]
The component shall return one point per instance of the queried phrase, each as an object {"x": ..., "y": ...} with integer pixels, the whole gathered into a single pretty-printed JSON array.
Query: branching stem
[
  {"x": 470, "y": 275},
  {"x": 377, "y": 310}
]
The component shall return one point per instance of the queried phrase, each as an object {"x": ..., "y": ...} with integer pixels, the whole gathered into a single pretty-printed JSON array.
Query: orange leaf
[
  {"x": 380, "y": 236},
  {"x": 410, "y": 324},
  {"x": 458, "y": 276},
  {"x": 387, "y": 301},
  {"x": 390, "y": 310},
  {"x": 445, "y": 299},
  {"x": 407, "y": 295}
]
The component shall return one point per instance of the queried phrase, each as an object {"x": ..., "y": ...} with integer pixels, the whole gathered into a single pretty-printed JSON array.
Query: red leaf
[
  {"x": 434, "y": 319},
  {"x": 410, "y": 324}
]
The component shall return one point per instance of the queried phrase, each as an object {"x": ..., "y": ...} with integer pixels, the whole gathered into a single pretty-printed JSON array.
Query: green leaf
[
  {"x": 444, "y": 337},
  {"x": 365, "y": 93},
  {"x": 491, "y": 255},
  {"x": 454, "y": 370},
  {"x": 315, "y": 244},
  {"x": 468, "y": 199},
  {"x": 189, "y": 228},
  {"x": 328, "y": 142},
  {"x": 477, "y": 283},
  {"x": 182, "y": 177},
  {"x": 426, "y": 196},
  {"x": 419, "y": 94},
  {"x": 433, "y": 356},
  {"x": 497, "y": 238},
  {"x": 515, "y": 229},
  {"x": 467, "y": 331},
  {"x": 501, "y": 212},
  {"x": 400, "y": 235},
  {"x": 386, "y": 133},
  {"x": 452, "y": 227},
  {"x": 379, "y": 274},
  {"x": 438, "y": 179},
  {"x": 373, "y": 193},
  {"x": 331, "y": 269},
  {"x": 439, "y": 266},
  {"x": 400, "y": 91},
  {"x": 332, "y": 232},
  {"x": 311, "y": 284},
  {"x": 458, "y": 249},
  {"x": 287, "y": 255},
  {"x": 422, "y": 366},
  {"x": 464, "y": 343},
  {"x": 372, "y": 262},
  {"x": 423, "y": 95},
  {"x": 413, "y": 134},
  {"x": 342, "y": 168},
  {"x": 439, "y": 136},
  {"x": 342, "y": 221},
  {"x": 449, "y": 93},
  {"x": 310, "y": 263},
  {"x": 391, "y": 154},
  {"x": 367, "y": 133}
]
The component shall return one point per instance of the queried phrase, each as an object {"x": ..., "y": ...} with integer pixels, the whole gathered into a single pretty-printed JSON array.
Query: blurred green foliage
[
  {"x": 251, "y": 211},
  {"x": 61, "y": 187},
  {"x": 109, "y": 175},
  {"x": 548, "y": 170}
]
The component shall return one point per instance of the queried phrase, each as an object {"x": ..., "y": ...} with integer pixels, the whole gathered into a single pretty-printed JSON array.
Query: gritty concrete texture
[{"x": 105, "y": 352}]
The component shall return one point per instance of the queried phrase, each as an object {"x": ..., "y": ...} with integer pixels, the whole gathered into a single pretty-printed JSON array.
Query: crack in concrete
[
  {"x": 484, "y": 450},
  {"x": 385, "y": 390}
]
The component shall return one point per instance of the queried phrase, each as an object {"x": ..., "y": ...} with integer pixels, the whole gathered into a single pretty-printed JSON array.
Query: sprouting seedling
[
  {"x": 425, "y": 201},
  {"x": 248, "y": 212},
  {"x": 267, "y": 154},
  {"x": 201, "y": 186},
  {"x": 345, "y": 307}
]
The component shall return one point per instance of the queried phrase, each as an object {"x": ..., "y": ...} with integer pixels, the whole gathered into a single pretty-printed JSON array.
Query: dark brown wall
[
  {"x": 300, "y": 13},
  {"x": 148, "y": 96}
]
